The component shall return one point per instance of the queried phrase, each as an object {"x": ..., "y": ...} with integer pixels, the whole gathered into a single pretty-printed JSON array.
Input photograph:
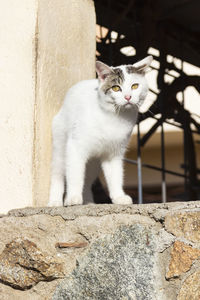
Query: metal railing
[{"x": 121, "y": 19}]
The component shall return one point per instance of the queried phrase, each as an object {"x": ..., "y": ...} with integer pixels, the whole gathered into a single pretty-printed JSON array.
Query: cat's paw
[
  {"x": 124, "y": 200},
  {"x": 52, "y": 203},
  {"x": 75, "y": 200}
]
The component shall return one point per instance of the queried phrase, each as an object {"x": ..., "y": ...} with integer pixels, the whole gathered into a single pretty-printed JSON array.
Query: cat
[{"x": 91, "y": 131}]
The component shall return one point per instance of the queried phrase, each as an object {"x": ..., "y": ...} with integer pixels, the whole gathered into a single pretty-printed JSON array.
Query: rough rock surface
[
  {"x": 135, "y": 252},
  {"x": 118, "y": 266},
  {"x": 23, "y": 264},
  {"x": 184, "y": 225},
  {"x": 190, "y": 290},
  {"x": 182, "y": 257}
]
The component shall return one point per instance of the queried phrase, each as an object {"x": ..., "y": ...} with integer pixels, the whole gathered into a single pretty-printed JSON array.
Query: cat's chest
[
  {"x": 117, "y": 126},
  {"x": 103, "y": 134},
  {"x": 115, "y": 129},
  {"x": 113, "y": 132}
]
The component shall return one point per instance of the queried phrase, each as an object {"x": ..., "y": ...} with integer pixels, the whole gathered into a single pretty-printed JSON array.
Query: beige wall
[
  {"x": 17, "y": 97},
  {"x": 66, "y": 54},
  {"x": 46, "y": 46}
]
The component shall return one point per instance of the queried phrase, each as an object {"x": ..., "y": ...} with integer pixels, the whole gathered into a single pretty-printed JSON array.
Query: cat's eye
[
  {"x": 134, "y": 86},
  {"x": 116, "y": 88}
]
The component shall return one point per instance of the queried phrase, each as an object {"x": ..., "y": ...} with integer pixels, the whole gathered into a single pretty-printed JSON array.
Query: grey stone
[
  {"x": 164, "y": 240},
  {"x": 127, "y": 256},
  {"x": 71, "y": 213},
  {"x": 117, "y": 266}
]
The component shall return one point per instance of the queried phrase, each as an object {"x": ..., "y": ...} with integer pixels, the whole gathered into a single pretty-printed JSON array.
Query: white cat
[{"x": 92, "y": 130}]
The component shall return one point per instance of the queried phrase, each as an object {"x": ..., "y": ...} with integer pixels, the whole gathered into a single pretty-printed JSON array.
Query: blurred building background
[{"x": 168, "y": 141}]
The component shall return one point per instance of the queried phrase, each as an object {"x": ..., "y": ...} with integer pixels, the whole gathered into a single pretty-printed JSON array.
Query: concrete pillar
[{"x": 46, "y": 46}]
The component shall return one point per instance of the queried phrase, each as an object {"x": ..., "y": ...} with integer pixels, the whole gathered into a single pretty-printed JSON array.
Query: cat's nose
[{"x": 127, "y": 97}]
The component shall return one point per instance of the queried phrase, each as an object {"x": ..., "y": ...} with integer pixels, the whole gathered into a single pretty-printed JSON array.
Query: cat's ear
[
  {"x": 143, "y": 64},
  {"x": 102, "y": 70}
]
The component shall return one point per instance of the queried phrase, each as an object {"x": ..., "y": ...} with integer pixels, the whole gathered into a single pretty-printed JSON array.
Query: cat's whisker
[
  {"x": 115, "y": 106},
  {"x": 151, "y": 112},
  {"x": 117, "y": 109},
  {"x": 136, "y": 104}
]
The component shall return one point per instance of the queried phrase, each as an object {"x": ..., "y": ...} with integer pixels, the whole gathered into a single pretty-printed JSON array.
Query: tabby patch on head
[
  {"x": 124, "y": 86},
  {"x": 131, "y": 69},
  {"x": 116, "y": 77}
]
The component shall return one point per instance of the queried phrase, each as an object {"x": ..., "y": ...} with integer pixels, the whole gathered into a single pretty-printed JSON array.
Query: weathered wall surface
[
  {"x": 101, "y": 252},
  {"x": 17, "y": 94},
  {"x": 46, "y": 46},
  {"x": 66, "y": 43}
]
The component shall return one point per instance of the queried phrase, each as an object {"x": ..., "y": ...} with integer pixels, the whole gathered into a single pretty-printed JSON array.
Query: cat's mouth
[
  {"x": 128, "y": 105},
  {"x": 125, "y": 106}
]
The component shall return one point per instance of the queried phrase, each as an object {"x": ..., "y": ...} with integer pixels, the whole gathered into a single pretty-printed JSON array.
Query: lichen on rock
[{"x": 117, "y": 266}]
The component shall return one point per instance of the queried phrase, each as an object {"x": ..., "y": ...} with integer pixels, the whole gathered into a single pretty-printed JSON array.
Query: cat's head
[{"x": 124, "y": 86}]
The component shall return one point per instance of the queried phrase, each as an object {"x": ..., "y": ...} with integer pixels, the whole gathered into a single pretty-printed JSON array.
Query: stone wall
[{"x": 101, "y": 252}]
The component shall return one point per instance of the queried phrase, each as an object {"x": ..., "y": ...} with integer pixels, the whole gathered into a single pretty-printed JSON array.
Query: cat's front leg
[
  {"x": 113, "y": 172},
  {"x": 75, "y": 173}
]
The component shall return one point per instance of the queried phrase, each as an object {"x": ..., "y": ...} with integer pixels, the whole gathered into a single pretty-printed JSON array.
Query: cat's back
[
  {"x": 81, "y": 93},
  {"x": 79, "y": 102}
]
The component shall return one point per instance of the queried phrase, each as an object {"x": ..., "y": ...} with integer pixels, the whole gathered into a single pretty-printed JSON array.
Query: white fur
[{"x": 89, "y": 133}]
